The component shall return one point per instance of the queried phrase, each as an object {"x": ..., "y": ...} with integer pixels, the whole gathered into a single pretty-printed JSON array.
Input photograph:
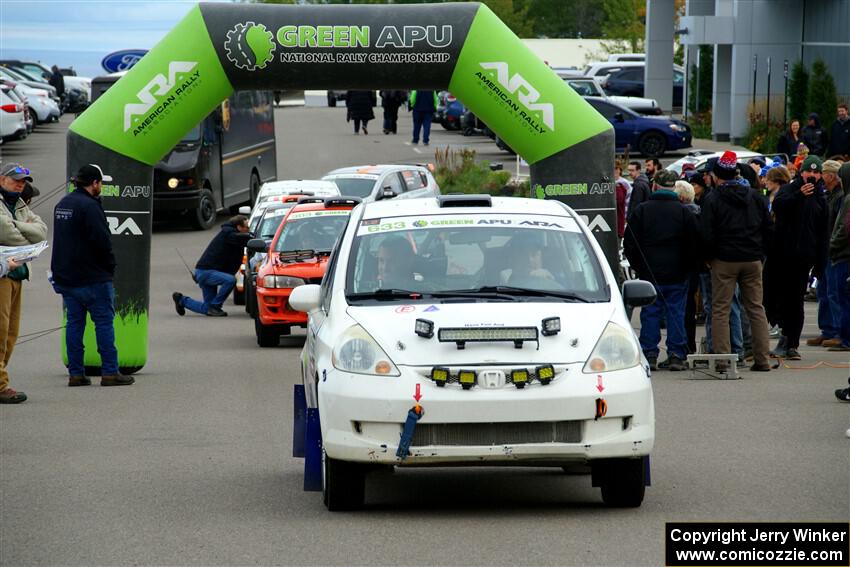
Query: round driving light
[
  {"x": 173, "y": 183},
  {"x": 383, "y": 367},
  {"x": 597, "y": 365}
]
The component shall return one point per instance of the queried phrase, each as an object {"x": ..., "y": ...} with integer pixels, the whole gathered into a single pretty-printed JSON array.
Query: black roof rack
[
  {"x": 304, "y": 200},
  {"x": 342, "y": 201},
  {"x": 464, "y": 200}
]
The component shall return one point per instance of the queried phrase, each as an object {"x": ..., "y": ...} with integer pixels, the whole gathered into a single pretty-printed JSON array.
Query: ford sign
[{"x": 122, "y": 60}]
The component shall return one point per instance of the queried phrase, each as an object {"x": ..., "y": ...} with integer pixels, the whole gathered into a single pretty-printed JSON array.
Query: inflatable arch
[{"x": 218, "y": 48}]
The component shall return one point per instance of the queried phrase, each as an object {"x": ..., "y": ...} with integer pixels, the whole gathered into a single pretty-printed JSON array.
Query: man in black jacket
[
  {"x": 215, "y": 271},
  {"x": 801, "y": 214},
  {"x": 660, "y": 243},
  {"x": 83, "y": 266},
  {"x": 814, "y": 136},
  {"x": 839, "y": 134},
  {"x": 736, "y": 230},
  {"x": 641, "y": 189}
]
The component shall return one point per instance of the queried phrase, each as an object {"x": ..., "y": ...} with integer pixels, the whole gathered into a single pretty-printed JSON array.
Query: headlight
[
  {"x": 676, "y": 128},
  {"x": 358, "y": 352},
  {"x": 615, "y": 350},
  {"x": 173, "y": 183},
  {"x": 279, "y": 282}
]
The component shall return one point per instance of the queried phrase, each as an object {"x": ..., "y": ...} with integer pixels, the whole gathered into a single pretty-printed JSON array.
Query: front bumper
[
  {"x": 179, "y": 199},
  {"x": 362, "y": 418},
  {"x": 274, "y": 309}
]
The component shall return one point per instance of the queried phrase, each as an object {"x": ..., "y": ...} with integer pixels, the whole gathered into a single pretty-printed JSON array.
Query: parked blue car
[{"x": 649, "y": 135}]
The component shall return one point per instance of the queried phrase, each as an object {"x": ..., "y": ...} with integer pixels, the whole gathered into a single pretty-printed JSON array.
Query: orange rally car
[{"x": 296, "y": 256}]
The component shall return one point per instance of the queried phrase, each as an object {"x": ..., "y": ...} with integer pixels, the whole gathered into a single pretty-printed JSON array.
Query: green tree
[
  {"x": 798, "y": 92},
  {"x": 551, "y": 19},
  {"x": 823, "y": 98},
  {"x": 515, "y": 15},
  {"x": 624, "y": 20},
  {"x": 705, "y": 77}
]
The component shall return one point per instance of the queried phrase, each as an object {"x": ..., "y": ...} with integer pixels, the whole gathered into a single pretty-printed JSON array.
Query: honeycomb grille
[{"x": 492, "y": 434}]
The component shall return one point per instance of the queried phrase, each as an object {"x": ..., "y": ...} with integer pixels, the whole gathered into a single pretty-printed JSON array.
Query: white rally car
[{"x": 470, "y": 330}]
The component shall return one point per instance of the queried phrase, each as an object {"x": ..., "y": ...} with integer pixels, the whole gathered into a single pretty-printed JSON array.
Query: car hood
[
  {"x": 392, "y": 326},
  {"x": 310, "y": 270}
]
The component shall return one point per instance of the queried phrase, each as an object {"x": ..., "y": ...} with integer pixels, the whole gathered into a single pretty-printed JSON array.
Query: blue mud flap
[
  {"x": 299, "y": 420},
  {"x": 646, "y": 468},
  {"x": 313, "y": 452}
]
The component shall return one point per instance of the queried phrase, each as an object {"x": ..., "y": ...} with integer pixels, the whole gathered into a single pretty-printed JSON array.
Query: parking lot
[{"x": 192, "y": 464}]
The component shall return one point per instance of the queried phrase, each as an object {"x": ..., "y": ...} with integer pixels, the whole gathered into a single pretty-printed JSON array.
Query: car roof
[
  {"x": 299, "y": 184},
  {"x": 431, "y": 206},
  {"x": 372, "y": 170}
]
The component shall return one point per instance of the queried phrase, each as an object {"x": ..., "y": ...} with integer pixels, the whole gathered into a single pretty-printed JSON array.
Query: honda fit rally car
[
  {"x": 296, "y": 256},
  {"x": 470, "y": 330}
]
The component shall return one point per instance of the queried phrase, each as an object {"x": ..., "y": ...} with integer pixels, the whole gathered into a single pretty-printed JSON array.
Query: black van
[{"x": 220, "y": 164}]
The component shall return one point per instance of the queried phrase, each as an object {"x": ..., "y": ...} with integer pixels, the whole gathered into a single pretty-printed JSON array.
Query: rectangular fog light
[
  {"x": 551, "y": 326},
  {"x": 440, "y": 375},
  {"x": 545, "y": 373},
  {"x": 424, "y": 328},
  {"x": 466, "y": 378},
  {"x": 519, "y": 378}
]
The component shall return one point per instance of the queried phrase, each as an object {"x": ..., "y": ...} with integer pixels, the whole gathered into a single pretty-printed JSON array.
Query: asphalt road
[{"x": 191, "y": 465}]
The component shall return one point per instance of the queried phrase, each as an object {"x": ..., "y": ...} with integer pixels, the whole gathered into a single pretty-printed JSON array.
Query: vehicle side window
[
  {"x": 413, "y": 179},
  {"x": 583, "y": 88},
  {"x": 325, "y": 294},
  {"x": 393, "y": 182},
  {"x": 605, "y": 109},
  {"x": 630, "y": 75},
  {"x": 607, "y": 71}
]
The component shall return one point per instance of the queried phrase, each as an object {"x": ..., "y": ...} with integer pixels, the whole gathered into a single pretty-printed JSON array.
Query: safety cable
[
  {"x": 48, "y": 195},
  {"x": 36, "y": 335}
]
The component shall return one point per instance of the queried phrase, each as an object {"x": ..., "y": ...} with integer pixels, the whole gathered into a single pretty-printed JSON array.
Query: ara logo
[
  {"x": 128, "y": 227},
  {"x": 526, "y": 94},
  {"x": 157, "y": 88},
  {"x": 598, "y": 223},
  {"x": 249, "y": 46}
]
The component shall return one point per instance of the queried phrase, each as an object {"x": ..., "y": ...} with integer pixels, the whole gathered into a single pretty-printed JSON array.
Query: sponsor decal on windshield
[
  {"x": 459, "y": 221},
  {"x": 307, "y": 214}
]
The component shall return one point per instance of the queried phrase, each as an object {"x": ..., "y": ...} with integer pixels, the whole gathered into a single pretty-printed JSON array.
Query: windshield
[
  {"x": 355, "y": 186},
  {"x": 469, "y": 253},
  {"x": 271, "y": 221},
  {"x": 22, "y": 76},
  {"x": 312, "y": 230}
]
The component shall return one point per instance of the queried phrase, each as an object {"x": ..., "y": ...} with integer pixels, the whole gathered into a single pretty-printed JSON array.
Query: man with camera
[{"x": 801, "y": 216}]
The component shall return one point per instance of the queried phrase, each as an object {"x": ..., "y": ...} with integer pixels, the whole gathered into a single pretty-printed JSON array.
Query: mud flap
[
  {"x": 299, "y": 413},
  {"x": 312, "y": 451}
]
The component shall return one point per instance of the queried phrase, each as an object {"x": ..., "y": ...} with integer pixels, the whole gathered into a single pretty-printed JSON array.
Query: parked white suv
[
  {"x": 376, "y": 182},
  {"x": 465, "y": 330}
]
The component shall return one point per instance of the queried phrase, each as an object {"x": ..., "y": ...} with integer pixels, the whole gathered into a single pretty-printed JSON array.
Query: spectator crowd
[{"x": 736, "y": 245}]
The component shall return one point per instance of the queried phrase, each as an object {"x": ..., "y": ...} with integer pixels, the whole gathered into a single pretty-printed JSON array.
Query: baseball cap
[
  {"x": 16, "y": 171},
  {"x": 812, "y": 163},
  {"x": 90, "y": 173},
  {"x": 665, "y": 178}
]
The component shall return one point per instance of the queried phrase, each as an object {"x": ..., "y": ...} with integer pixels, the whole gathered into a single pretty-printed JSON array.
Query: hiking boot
[
  {"x": 653, "y": 363},
  {"x": 116, "y": 380},
  {"x": 213, "y": 311},
  {"x": 793, "y": 354},
  {"x": 831, "y": 343},
  {"x": 816, "y": 341},
  {"x": 760, "y": 367},
  {"x": 781, "y": 351},
  {"x": 177, "y": 297},
  {"x": 675, "y": 364},
  {"x": 843, "y": 394},
  {"x": 10, "y": 396},
  {"x": 839, "y": 348},
  {"x": 74, "y": 381}
]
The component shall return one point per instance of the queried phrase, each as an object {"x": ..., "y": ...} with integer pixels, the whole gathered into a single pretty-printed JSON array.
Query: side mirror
[
  {"x": 386, "y": 193},
  {"x": 245, "y": 210},
  {"x": 637, "y": 293},
  {"x": 305, "y": 298},
  {"x": 618, "y": 117},
  {"x": 257, "y": 245}
]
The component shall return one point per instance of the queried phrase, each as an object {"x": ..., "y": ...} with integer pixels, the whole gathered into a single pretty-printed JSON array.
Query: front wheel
[
  {"x": 204, "y": 216},
  {"x": 623, "y": 481},
  {"x": 343, "y": 484},
  {"x": 268, "y": 336},
  {"x": 239, "y": 296},
  {"x": 652, "y": 144}
]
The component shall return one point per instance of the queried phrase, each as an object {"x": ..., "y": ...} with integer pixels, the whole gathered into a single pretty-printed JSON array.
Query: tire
[
  {"x": 238, "y": 297},
  {"x": 268, "y": 336},
  {"x": 652, "y": 144},
  {"x": 249, "y": 291},
  {"x": 331, "y": 100},
  {"x": 623, "y": 481},
  {"x": 204, "y": 216},
  {"x": 254, "y": 188},
  {"x": 343, "y": 484}
]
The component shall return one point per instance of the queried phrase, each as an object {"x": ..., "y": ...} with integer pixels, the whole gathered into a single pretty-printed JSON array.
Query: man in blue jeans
[
  {"x": 423, "y": 104},
  {"x": 215, "y": 271},
  {"x": 83, "y": 267},
  {"x": 660, "y": 242}
]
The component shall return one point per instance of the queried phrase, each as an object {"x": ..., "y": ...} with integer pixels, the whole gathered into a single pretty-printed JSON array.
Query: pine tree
[
  {"x": 823, "y": 98},
  {"x": 706, "y": 80},
  {"x": 798, "y": 93}
]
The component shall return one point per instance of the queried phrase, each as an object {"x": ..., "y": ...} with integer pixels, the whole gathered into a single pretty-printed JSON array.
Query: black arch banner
[{"x": 218, "y": 48}]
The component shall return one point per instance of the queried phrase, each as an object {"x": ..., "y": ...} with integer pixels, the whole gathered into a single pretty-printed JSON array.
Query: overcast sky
[{"x": 80, "y": 33}]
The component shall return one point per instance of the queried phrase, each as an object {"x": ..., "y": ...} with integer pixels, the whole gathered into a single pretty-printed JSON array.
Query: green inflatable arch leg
[{"x": 220, "y": 47}]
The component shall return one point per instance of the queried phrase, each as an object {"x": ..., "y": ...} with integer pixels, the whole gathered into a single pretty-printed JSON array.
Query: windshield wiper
[
  {"x": 473, "y": 294},
  {"x": 522, "y": 291},
  {"x": 384, "y": 294}
]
